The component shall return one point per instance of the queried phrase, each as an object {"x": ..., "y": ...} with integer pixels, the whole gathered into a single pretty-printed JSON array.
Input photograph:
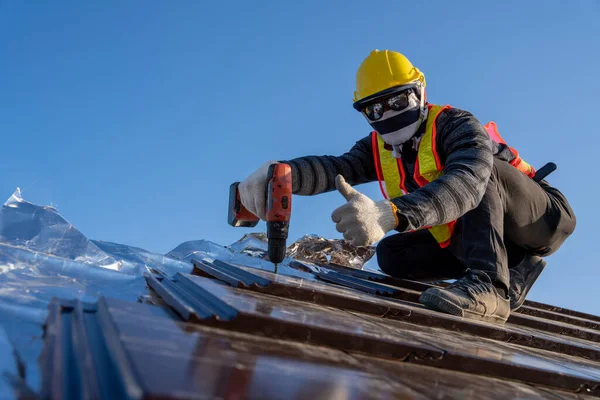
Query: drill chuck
[{"x": 277, "y": 233}]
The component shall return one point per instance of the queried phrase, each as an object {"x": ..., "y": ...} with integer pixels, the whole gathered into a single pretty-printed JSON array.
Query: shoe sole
[
  {"x": 517, "y": 303},
  {"x": 438, "y": 303}
]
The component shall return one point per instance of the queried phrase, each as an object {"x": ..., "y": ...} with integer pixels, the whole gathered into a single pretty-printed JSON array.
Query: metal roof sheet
[{"x": 232, "y": 331}]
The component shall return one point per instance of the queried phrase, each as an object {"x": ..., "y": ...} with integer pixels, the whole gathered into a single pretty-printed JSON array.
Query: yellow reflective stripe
[
  {"x": 525, "y": 168},
  {"x": 427, "y": 169},
  {"x": 389, "y": 168},
  {"x": 427, "y": 165},
  {"x": 441, "y": 233}
]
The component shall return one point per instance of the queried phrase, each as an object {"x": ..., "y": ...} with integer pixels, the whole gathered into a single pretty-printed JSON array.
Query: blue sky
[{"x": 134, "y": 117}]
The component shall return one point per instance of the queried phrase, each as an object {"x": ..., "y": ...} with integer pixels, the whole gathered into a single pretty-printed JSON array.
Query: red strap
[
  {"x": 402, "y": 175},
  {"x": 418, "y": 178}
]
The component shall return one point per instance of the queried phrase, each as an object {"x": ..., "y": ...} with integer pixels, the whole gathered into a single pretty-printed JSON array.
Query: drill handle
[{"x": 279, "y": 193}]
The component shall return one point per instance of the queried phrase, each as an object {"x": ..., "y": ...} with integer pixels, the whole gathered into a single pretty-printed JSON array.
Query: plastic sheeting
[
  {"x": 207, "y": 250},
  {"x": 42, "y": 256},
  {"x": 8, "y": 366}
]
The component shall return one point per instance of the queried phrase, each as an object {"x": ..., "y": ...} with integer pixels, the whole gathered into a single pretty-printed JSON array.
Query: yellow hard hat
[{"x": 383, "y": 70}]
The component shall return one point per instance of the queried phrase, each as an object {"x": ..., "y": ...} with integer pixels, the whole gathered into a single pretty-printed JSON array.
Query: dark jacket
[{"x": 465, "y": 150}]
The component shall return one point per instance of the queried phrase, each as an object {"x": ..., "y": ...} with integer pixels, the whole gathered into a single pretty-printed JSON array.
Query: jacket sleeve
[
  {"x": 465, "y": 150},
  {"x": 316, "y": 174}
]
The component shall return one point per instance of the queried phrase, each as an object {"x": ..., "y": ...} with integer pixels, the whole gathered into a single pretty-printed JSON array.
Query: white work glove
[
  {"x": 362, "y": 220},
  {"x": 253, "y": 190}
]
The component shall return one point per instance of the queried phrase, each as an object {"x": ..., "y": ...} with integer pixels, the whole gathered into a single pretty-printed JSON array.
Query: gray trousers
[{"x": 516, "y": 216}]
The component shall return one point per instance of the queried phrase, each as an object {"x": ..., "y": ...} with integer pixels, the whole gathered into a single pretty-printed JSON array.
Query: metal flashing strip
[
  {"x": 530, "y": 307},
  {"x": 311, "y": 291},
  {"x": 358, "y": 284},
  {"x": 229, "y": 274},
  {"x": 189, "y": 300},
  {"x": 81, "y": 358},
  {"x": 366, "y": 275}
]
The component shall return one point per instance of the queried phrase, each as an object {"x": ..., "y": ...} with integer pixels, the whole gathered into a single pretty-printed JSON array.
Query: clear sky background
[{"x": 134, "y": 117}]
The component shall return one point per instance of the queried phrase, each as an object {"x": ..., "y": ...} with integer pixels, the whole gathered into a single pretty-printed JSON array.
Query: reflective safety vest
[{"x": 428, "y": 167}]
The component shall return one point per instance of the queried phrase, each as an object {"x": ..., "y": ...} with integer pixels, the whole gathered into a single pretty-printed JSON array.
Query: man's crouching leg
[
  {"x": 532, "y": 220},
  {"x": 478, "y": 242}
]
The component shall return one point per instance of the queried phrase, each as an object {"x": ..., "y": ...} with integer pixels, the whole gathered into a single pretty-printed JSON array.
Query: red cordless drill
[{"x": 278, "y": 210}]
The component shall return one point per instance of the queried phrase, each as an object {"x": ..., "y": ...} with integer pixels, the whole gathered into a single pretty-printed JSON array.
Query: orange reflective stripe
[
  {"x": 521, "y": 165},
  {"x": 402, "y": 184},
  {"x": 418, "y": 178},
  {"x": 492, "y": 130},
  {"x": 436, "y": 156}
]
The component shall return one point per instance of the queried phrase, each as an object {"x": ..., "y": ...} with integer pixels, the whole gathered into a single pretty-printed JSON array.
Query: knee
[
  {"x": 562, "y": 231},
  {"x": 384, "y": 255},
  {"x": 567, "y": 227},
  {"x": 570, "y": 221},
  {"x": 562, "y": 221},
  {"x": 392, "y": 253}
]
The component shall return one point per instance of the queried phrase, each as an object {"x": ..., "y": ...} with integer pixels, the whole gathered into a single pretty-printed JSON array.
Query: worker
[{"x": 462, "y": 202}]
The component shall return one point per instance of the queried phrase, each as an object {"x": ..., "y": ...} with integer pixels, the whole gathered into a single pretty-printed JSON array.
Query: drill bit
[{"x": 276, "y": 265}]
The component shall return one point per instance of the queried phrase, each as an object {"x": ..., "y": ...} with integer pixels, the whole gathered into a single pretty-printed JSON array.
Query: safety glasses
[
  {"x": 396, "y": 99},
  {"x": 398, "y": 102}
]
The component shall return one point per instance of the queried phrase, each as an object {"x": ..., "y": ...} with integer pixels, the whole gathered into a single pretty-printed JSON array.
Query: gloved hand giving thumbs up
[{"x": 362, "y": 220}]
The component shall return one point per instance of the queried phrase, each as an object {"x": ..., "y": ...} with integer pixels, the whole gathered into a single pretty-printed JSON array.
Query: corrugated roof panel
[
  {"x": 561, "y": 310},
  {"x": 323, "y": 332},
  {"x": 538, "y": 323},
  {"x": 279, "y": 317},
  {"x": 120, "y": 350},
  {"x": 283, "y": 318},
  {"x": 556, "y": 316},
  {"x": 347, "y": 298}
]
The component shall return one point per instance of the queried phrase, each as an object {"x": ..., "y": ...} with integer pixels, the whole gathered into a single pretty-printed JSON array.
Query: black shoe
[
  {"x": 472, "y": 296},
  {"x": 522, "y": 278}
]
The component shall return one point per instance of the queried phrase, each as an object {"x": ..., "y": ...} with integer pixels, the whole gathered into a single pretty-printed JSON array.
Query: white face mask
[
  {"x": 402, "y": 136},
  {"x": 398, "y": 127}
]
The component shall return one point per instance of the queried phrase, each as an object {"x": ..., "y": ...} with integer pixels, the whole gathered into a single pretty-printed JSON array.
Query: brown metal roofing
[{"x": 229, "y": 331}]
